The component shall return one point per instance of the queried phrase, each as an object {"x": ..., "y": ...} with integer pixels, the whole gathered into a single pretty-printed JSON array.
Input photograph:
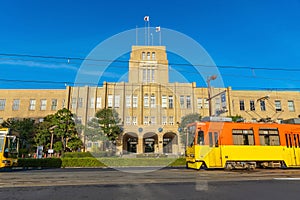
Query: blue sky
[{"x": 255, "y": 42}]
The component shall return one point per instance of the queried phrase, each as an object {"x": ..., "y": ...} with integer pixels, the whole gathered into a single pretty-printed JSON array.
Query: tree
[
  {"x": 25, "y": 130},
  {"x": 61, "y": 125},
  {"x": 185, "y": 120},
  {"x": 109, "y": 120},
  {"x": 75, "y": 144},
  {"x": 64, "y": 125},
  {"x": 92, "y": 131}
]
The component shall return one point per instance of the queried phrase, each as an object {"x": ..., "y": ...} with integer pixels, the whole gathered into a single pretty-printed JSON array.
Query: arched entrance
[
  {"x": 130, "y": 141},
  {"x": 169, "y": 141},
  {"x": 150, "y": 141}
]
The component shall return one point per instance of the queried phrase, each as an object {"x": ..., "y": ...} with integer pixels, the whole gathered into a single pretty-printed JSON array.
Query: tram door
[
  {"x": 215, "y": 158},
  {"x": 293, "y": 143}
]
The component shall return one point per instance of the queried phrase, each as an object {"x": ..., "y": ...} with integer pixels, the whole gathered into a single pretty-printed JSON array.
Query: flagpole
[
  {"x": 159, "y": 37},
  {"x": 149, "y": 32},
  {"x": 151, "y": 39},
  {"x": 136, "y": 35},
  {"x": 145, "y": 32}
]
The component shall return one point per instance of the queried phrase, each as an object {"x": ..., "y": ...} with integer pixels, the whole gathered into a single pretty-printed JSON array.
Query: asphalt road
[{"x": 158, "y": 184}]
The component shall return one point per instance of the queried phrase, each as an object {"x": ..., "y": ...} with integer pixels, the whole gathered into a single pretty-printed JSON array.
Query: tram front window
[{"x": 11, "y": 147}]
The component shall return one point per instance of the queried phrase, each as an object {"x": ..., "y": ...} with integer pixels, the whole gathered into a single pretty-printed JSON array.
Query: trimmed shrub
[
  {"x": 40, "y": 163},
  {"x": 77, "y": 155},
  {"x": 178, "y": 162},
  {"x": 81, "y": 162}
]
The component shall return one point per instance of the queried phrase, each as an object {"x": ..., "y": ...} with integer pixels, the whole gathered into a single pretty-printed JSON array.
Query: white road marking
[{"x": 287, "y": 179}]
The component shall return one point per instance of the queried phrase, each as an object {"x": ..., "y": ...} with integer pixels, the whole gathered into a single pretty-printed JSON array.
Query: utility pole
[{"x": 211, "y": 78}]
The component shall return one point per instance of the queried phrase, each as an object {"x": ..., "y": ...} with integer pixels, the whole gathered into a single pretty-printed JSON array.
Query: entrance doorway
[
  {"x": 130, "y": 142},
  {"x": 169, "y": 140},
  {"x": 150, "y": 142}
]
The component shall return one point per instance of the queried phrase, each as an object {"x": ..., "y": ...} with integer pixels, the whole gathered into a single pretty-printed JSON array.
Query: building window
[
  {"x": 89, "y": 145},
  {"x": 144, "y": 75},
  {"x": 32, "y": 103},
  {"x": 164, "y": 101},
  {"x": 43, "y": 104},
  {"x": 143, "y": 55},
  {"x": 79, "y": 120},
  {"x": 128, "y": 101},
  {"x": 63, "y": 103},
  {"x": 218, "y": 103},
  {"x": 92, "y": 102},
  {"x": 199, "y": 103},
  {"x": 188, "y": 102},
  {"x": 262, "y": 105},
  {"x": 181, "y": 101},
  {"x": 96, "y": 144},
  {"x": 252, "y": 105},
  {"x": 242, "y": 105},
  {"x": 127, "y": 120},
  {"x": 277, "y": 105},
  {"x": 80, "y": 102},
  {"x": 53, "y": 104},
  {"x": 153, "y": 56},
  {"x": 99, "y": 102},
  {"x": 117, "y": 101},
  {"x": 291, "y": 106},
  {"x": 134, "y": 120},
  {"x": 146, "y": 101},
  {"x": 135, "y": 101},
  {"x": 152, "y": 75},
  {"x": 73, "y": 105},
  {"x": 206, "y": 103},
  {"x": 2, "y": 104},
  {"x": 16, "y": 104},
  {"x": 164, "y": 120},
  {"x": 170, "y": 101},
  {"x": 153, "y": 120},
  {"x": 148, "y": 75},
  {"x": 148, "y": 55},
  {"x": 171, "y": 120},
  {"x": 146, "y": 120},
  {"x": 153, "y": 101},
  {"x": 110, "y": 101}
]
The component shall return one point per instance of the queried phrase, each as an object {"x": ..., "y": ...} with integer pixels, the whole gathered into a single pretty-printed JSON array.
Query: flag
[
  {"x": 157, "y": 29},
  {"x": 146, "y": 18}
]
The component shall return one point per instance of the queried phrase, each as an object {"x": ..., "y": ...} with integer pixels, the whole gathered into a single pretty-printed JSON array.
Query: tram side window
[
  {"x": 200, "y": 138},
  {"x": 1, "y": 144},
  {"x": 269, "y": 137},
  {"x": 243, "y": 137}
]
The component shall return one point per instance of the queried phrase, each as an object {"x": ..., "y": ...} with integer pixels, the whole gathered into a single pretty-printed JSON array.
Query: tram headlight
[{"x": 6, "y": 162}]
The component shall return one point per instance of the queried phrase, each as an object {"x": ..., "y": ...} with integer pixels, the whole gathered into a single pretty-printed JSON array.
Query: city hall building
[{"x": 149, "y": 106}]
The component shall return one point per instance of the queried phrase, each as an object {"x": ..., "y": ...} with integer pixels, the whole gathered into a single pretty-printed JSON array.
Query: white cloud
[{"x": 38, "y": 64}]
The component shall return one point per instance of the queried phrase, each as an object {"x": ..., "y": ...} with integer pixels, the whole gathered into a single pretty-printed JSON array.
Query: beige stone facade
[{"x": 150, "y": 107}]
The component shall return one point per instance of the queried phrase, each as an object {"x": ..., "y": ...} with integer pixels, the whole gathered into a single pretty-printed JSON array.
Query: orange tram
[{"x": 221, "y": 143}]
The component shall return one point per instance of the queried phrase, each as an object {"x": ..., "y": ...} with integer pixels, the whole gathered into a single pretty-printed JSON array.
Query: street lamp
[
  {"x": 51, "y": 131},
  {"x": 211, "y": 78}
]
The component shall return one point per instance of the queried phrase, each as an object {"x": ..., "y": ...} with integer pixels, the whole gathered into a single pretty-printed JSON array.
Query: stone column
[
  {"x": 160, "y": 142},
  {"x": 140, "y": 145}
]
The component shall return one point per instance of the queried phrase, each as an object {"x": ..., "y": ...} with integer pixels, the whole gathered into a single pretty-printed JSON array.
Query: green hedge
[
  {"x": 40, "y": 163},
  {"x": 81, "y": 162},
  {"x": 121, "y": 162},
  {"x": 178, "y": 162},
  {"x": 77, "y": 155},
  {"x": 74, "y": 161}
]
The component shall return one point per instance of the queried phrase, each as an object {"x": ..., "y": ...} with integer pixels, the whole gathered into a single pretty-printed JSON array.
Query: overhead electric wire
[
  {"x": 128, "y": 61},
  {"x": 99, "y": 63}
]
